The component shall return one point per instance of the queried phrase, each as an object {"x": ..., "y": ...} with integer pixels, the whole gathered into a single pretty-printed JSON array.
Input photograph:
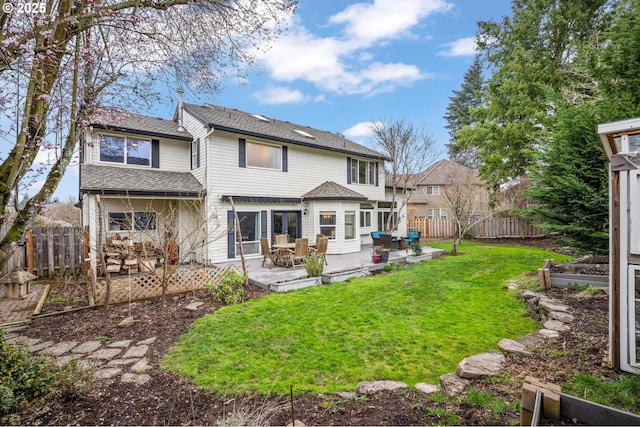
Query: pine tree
[{"x": 459, "y": 114}]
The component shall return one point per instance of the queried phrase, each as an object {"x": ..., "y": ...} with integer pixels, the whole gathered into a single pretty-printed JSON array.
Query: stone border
[{"x": 552, "y": 315}]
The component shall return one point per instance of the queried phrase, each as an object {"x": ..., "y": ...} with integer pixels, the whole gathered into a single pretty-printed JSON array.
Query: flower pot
[
  {"x": 384, "y": 256},
  {"x": 375, "y": 258}
]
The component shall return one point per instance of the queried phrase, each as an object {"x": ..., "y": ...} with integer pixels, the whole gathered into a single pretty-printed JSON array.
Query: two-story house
[
  {"x": 441, "y": 184},
  {"x": 143, "y": 176}
]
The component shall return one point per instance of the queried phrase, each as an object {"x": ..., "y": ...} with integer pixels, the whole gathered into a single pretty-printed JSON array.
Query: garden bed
[
  {"x": 573, "y": 274},
  {"x": 342, "y": 275}
]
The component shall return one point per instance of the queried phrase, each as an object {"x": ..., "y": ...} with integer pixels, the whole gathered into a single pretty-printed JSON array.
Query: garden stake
[{"x": 293, "y": 418}]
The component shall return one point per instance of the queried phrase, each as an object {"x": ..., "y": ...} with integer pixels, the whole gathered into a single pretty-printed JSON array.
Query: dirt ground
[{"x": 168, "y": 399}]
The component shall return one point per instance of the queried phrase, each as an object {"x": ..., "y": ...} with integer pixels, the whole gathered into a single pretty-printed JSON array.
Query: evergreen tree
[{"x": 459, "y": 114}]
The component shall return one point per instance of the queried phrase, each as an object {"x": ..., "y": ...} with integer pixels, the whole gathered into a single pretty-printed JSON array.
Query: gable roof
[
  {"x": 442, "y": 172},
  {"x": 329, "y": 190},
  {"x": 256, "y": 125},
  {"x": 133, "y": 181},
  {"x": 110, "y": 118}
]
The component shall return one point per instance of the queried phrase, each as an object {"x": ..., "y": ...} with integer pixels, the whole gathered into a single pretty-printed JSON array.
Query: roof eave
[{"x": 141, "y": 132}]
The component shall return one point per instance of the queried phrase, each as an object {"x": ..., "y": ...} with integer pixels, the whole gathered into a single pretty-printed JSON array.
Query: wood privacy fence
[
  {"x": 514, "y": 227},
  {"x": 49, "y": 251}
]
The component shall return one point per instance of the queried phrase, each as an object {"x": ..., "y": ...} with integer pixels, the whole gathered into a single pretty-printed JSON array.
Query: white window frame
[
  {"x": 125, "y": 144},
  {"x": 365, "y": 219},
  {"x": 327, "y": 227},
  {"x": 194, "y": 154},
  {"x": 432, "y": 190},
  {"x": 437, "y": 213},
  {"x": 249, "y": 145},
  {"x": 370, "y": 172},
  {"x": 354, "y": 224}
]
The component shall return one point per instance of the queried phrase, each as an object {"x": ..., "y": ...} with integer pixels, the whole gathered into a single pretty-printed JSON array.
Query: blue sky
[{"x": 344, "y": 64}]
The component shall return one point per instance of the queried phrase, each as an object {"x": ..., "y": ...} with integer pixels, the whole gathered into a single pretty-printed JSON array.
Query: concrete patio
[{"x": 275, "y": 278}]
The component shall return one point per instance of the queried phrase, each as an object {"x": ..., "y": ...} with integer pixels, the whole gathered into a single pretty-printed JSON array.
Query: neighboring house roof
[
  {"x": 329, "y": 190},
  {"x": 137, "y": 123},
  {"x": 443, "y": 172},
  {"x": 255, "y": 125},
  {"x": 144, "y": 182}
]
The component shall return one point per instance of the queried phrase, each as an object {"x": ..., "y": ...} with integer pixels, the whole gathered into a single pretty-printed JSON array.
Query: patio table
[{"x": 284, "y": 247}]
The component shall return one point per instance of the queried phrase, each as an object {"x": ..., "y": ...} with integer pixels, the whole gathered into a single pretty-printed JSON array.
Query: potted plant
[
  {"x": 314, "y": 264},
  {"x": 416, "y": 248},
  {"x": 384, "y": 254}
]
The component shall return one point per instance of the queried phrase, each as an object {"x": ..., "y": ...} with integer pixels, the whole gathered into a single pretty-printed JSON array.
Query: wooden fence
[
  {"x": 49, "y": 251},
  {"x": 492, "y": 228}
]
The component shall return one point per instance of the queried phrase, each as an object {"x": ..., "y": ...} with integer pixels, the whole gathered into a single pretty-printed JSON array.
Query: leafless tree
[
  {"x": 467, "y": 199},
  {"x": 410, "y": 151},
  {"x": 64, "y": 58}
]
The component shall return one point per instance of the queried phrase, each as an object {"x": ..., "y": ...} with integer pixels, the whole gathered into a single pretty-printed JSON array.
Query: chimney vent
[{"x": 180, "y": 110}]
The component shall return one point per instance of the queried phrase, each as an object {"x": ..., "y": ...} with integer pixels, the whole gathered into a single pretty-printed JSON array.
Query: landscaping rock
[
  {"x": 105, "y": 353},
  {"x": 137, "y": 379},
  {"x": 453, "y": 385},
  {"x": 481, "y": 365},
  {"x": 148, "y": 341},
  {"x": 40, "y": 346},
  {"x": 121, "y": 362},
  {"x": 427, "y": 388},
  {"x": 107, "y": 373},
  {"x": 128, "y": 321},
  {"x": 87, "y": 347},
  {"x": 136, "y": 351},
  {"x": 66, "y": 359},
  {"x": 60, "y": 348},
  {"x": 531, "y": 340},
  {"x": 23, "y": 341},
  {"x": 120, "y": 344},
  {"x": 561, "y": 316},
  {"x": 347, "y": 395},
  {"x": 556, "y": 325},
  {"x": 194, "y": 306},
  {"x": 372, "y": 387},
  {"x": 513, "y": 347},
  {"x": 551, "y": 305},
  {"x": 141, "y": 366},
  {"x": 548, "y": 333}
]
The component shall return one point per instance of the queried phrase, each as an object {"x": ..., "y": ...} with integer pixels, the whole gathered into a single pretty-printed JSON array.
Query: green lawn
[{"x": 411, "y": 325}]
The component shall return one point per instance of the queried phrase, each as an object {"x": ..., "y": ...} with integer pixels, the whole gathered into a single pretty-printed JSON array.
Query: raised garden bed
[
  {"x": 342, "y": 275},
  {"x": 291, "y": 285},
  {"x": 573, "y": 274}
]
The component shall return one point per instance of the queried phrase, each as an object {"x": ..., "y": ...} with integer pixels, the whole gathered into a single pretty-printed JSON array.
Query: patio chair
[
  {"x": 414, "y": 236},
  {"x": 375, "y": 235},
  {"x": 281, "y": 238},
  {"x": 322, "y": 242},
  {"x": 385, "y": 241},
  {"x": 298, "y": 253},
  {"x": 267, "y": 252}
]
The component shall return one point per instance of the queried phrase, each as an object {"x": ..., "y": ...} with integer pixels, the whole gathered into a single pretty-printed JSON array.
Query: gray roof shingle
[
  {"x": 146, "y": 125},
  {"x": 153, "y": 182},
  {"x": 329, "y": 190},
  {"x": 252, "y": 125}
]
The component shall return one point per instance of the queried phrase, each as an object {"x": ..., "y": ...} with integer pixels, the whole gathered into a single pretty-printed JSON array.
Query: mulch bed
[{"x": 168, "y": 399}]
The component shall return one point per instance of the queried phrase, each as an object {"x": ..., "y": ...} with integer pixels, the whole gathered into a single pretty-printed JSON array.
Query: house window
[
  {"x": 129, "y": 151},
  {"x": 432, "y": 190},
  {"x": 194, "y": 154},
  {"x": 365, "y": 219},
  {"x": 328, "y": 224},
  {"x": 250, "y": 232},
  {"x": 382, "y": 220},
  {"x": 349, "y": 225},
  {"x": 363, "y": 172},
  {"x": 264, "y": 156},
  {"x": 437, "y": 213},
  {"x": 132, "y": 221}
]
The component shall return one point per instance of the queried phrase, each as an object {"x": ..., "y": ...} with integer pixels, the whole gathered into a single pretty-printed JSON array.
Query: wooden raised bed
[{"x": 549, "y": 279}]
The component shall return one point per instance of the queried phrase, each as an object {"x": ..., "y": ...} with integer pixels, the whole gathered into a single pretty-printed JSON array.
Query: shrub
[
  {"x": 230, "y": 290},
  {"x": 416, "y": 248},
  {"x": 22, "y": 377},
  {"x": 314, "y": 264}
]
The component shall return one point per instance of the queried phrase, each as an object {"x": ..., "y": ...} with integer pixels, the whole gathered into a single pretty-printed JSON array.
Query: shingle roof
[
  {"x": 253, "y": 125},
  {"x": 116, "y": 180},
  {"x": 329, "y": 190},
  {"x": 138, "y": 123}
]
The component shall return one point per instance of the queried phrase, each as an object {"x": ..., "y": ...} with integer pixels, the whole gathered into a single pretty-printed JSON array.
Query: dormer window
[{"x": 125, "y": 150}]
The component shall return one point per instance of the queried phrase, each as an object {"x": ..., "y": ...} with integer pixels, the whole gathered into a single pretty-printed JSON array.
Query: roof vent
[
  {"x": 261, "y": 118},
  {"x": 303, "y": 133}
]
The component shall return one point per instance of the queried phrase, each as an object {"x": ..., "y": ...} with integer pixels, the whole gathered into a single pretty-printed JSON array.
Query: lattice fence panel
[{"x": 143, "y": 286}]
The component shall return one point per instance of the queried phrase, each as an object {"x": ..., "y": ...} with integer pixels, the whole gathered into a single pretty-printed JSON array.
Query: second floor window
[
  {"x": 433, "y": 190},
  {"x": 264, "y": 156},
  {"x": 125, "y": 150},
  {"x": 363, "y": 172}
]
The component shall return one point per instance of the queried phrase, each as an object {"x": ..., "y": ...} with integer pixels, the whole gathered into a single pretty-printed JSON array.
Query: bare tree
[
  {"x": 60, "y": 62},
  {"x": 410, "y": 151},
  {"x": 166, "y": 234},
  {"x": 467, "y": 198}
]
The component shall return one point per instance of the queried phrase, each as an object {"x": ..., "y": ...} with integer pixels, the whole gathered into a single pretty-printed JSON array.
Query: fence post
[{"x": 30, "y": 251}]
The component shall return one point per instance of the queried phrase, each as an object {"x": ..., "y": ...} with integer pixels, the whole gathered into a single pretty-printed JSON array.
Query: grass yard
[{"x": 412, "y": 325}]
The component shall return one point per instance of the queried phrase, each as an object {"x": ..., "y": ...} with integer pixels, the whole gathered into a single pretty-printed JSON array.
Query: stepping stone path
[{"x": 125, "y": 359}]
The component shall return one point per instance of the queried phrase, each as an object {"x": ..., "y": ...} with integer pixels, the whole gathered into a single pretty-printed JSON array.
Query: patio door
[{"x": 286, "y": 222}]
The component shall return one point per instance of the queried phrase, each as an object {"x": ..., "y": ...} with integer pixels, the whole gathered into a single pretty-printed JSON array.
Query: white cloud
[
  {"x": 279, "y": 95},
  {"x": 360, "y": 130},
  {"x": 461, "y": 47},
  {"x": 385, "y": 19},
  {"x": 344, "y": 64}
]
